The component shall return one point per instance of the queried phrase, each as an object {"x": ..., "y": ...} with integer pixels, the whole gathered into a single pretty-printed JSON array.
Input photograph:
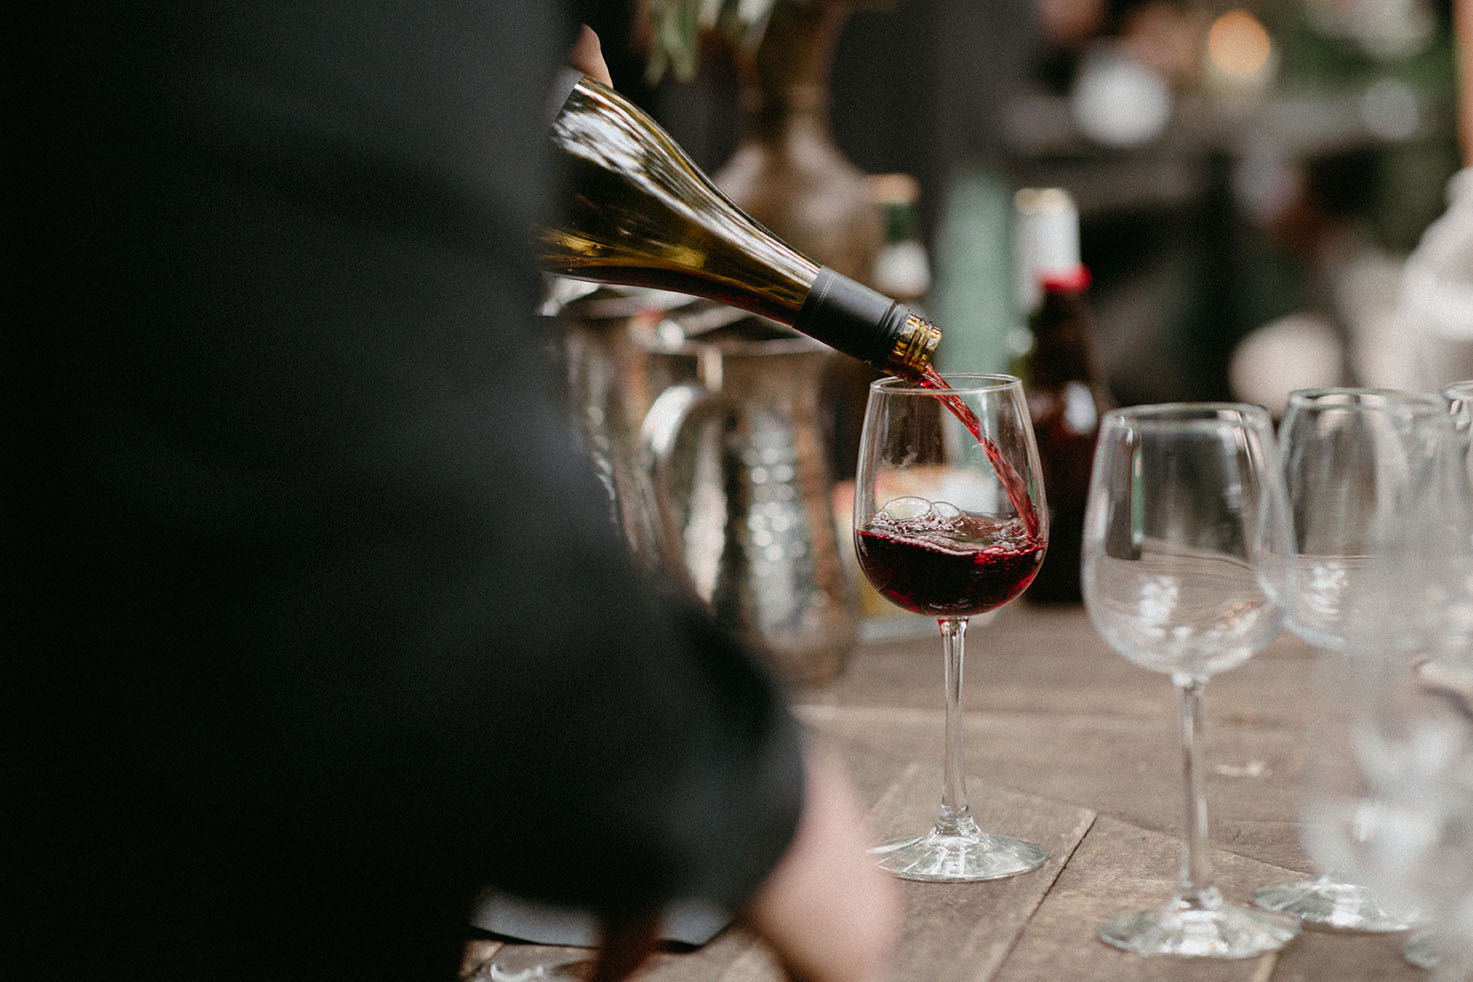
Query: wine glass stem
[
  {"x": 954, "y": 811},
  {"x": 1197, "y": 888}
]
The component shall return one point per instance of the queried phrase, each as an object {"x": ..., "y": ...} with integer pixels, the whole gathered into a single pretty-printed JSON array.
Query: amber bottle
[{"x": 1066, "y": 391}]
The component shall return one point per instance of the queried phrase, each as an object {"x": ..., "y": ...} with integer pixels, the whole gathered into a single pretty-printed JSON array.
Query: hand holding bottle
[{"x": 587, "y": 56}]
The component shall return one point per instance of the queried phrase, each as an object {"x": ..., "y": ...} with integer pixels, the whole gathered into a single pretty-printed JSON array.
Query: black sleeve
[{"x": 327, "y": 621}]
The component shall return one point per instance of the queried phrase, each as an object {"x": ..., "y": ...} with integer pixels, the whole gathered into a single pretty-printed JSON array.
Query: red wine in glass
[{"x": 967, "y": 566}]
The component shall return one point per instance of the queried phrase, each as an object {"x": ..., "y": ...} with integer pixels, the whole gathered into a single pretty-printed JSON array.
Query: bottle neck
[
  {"x": 785, "y": 87},
  {"x": 792, "y": 63},
  {"x": 1063, "y": 332},
  {"x": 864, "y": 323},
  {"x": 798, "y": 116},
  {"x": 1073, "y": 279}
]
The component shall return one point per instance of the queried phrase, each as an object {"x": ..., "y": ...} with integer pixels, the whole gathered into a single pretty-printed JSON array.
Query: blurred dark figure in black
[{"x": 319, "y": 624}]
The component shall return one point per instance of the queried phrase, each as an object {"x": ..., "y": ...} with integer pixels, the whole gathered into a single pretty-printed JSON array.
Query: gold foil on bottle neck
[{"x": 914, "y": 346}]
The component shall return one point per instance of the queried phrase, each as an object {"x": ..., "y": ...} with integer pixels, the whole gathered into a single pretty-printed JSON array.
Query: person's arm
[
  {"x": 828, "y": 911},
  {"x": 333, "y": 626}
]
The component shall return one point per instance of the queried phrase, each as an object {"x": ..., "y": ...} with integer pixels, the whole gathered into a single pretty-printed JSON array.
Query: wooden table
[{"x": 1072, "y": 746}]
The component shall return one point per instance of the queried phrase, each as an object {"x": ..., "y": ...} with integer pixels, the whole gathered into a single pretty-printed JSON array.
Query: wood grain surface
[{"x": 1067, "y": 744}]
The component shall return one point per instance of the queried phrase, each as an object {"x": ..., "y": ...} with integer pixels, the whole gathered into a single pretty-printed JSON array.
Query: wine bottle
[
  {"x": 1066, "y": 393},
  {"x": 641, "y": 213}
]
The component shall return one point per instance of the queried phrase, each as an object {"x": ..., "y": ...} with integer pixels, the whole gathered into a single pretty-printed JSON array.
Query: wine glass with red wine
[
  {"x": 1188, "y": 569},
  {"x": 950, "y": 522}
]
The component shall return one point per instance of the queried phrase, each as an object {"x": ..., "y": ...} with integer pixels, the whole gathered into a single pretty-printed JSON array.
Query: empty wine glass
[
  {"x": 1187, "y": 568},
  {"x": 1347, "y": 472},
  {"x": 1404, "y": 777},
  {"x": 1452, "y": 489},
  {"x": 950, "y": 522}
]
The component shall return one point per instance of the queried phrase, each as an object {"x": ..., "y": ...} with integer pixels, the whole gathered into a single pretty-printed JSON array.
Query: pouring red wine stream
[{"x": 1012, "y": 482}]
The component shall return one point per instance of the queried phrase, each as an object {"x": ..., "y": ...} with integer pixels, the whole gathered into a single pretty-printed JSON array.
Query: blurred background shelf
[{"x": 1231, "y": 194}]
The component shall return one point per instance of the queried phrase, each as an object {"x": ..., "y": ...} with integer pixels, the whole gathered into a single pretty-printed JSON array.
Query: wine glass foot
[
  {"x": 958, "y": 857},
  {"x": 1185, "y": 931},
  {"x": 1329, "y": 903}
]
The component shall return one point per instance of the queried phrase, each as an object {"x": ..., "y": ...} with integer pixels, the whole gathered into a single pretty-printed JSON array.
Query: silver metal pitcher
[
  {"x": 609, "y": 392},
  {"x": 741, "y": 486}
]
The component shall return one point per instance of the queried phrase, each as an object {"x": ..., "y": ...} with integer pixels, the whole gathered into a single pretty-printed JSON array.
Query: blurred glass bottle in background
[
  {"x": 902, "y": 265},
  {"x": 1061, "y": 376}
]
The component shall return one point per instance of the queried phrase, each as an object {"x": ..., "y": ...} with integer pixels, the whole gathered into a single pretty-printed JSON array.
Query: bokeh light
[{"x": 1238, "y": 46}]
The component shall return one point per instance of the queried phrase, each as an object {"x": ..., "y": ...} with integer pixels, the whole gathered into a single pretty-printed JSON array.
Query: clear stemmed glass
[
  {"x": 950, "y": 521},
  {"x": 1187, "y": 568},
  {"x": 1347, "y": 471},
  {"x": 1449, "y": 494},
  {"x": 1403, "y": 779}
]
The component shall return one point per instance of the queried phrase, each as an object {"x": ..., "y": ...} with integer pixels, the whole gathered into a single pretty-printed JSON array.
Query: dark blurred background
[{"x": 1238, "y": 168}]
